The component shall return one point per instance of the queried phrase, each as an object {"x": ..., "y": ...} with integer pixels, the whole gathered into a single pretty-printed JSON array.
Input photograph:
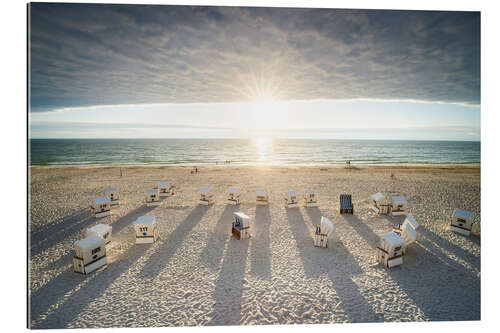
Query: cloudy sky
[{"x": 226, "y": 68}]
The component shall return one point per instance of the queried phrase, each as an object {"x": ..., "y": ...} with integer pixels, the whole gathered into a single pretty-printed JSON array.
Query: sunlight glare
[
  {"x": 265, "y": 111},
  {"x": 262, "y": 145}
]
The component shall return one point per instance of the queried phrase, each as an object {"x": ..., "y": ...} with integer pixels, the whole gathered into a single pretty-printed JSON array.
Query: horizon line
[{"x": 249, "y": 138}]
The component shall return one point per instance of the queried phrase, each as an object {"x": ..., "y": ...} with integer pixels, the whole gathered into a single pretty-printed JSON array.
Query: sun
[
  {"x": 263, "y": 103},
  {"x": 264, "y": 97},
  {"x": 265, "y": 111}
]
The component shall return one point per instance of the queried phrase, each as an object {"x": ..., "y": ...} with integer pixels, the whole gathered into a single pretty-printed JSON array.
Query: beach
[{"x": 198, "y": 274}]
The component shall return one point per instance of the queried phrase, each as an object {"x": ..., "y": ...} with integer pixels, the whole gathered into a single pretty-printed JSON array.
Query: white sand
[{"x": 198, "y": 274}]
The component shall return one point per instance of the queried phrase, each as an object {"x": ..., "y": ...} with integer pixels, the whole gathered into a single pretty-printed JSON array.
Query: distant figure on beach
[
  {"x": 348, "y": 164},
  {"x": 392, "y": 176}
]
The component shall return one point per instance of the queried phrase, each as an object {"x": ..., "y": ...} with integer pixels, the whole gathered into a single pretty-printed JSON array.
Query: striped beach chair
[{"x": 346, "y": 206}]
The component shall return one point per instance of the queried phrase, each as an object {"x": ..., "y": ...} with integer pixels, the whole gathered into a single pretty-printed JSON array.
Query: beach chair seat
[{"x": 346, "y": 206}]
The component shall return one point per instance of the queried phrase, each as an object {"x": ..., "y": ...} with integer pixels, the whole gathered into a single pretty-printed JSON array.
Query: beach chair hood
[
  {"x": 261, "y": 192},
  {"x": 378, "y": 196},
  {"x": 408, "y": 234},
  {"x": 101, "y": 200},
  {"x": 411, "y": 221},
  {"x": 204, "y": 190},
  {"x": 326, "y": 226}
]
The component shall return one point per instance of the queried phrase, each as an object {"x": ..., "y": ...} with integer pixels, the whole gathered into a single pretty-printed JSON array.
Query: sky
[{"x": 190, "y": 71}]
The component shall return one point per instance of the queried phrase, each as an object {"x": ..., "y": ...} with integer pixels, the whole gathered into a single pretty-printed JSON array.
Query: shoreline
[{"x": 274, "y": 166}]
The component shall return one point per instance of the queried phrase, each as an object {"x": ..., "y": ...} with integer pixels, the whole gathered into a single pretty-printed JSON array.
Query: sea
[{"x": 261, "y": 151}]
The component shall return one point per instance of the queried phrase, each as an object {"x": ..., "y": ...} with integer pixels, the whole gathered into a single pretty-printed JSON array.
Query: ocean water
[{"x": 248, "y": 151}]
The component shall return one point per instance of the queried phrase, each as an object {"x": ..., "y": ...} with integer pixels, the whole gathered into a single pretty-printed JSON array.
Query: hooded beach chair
[
  {"x": 152, "y": 197},
  {"x": 100, "y": 207},
  {"x": 113, "y": 195},
  {"x": 398, "y": 205},
  {"x": 407, "y": 232},
  {"x": 165, "y": 189},
  {"x": 234, "y": 196},
  {"x": 390, "y": 249},
  {"x": 90, "y": 254},
  {"x": 322, "y": 232},
  {"x": 261, "y": 197},
  {"x": 241, "y": 225},
  {"x": 206, "y": 197},
  {"x": 104, "y": 231},
  {"x": 381, "y": 204},
  {"x": 462, "y": 221},
  {"x": 146, "y": 230},
  {"x": 346, "y": 206},
  {"x": 291, "y": 199},
  {"x": 310, "y": 199}
]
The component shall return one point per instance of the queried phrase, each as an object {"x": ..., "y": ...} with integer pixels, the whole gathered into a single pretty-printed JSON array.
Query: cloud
[
  {"x": 88, "y": 54},
  {"x": 53, "y": 129}
]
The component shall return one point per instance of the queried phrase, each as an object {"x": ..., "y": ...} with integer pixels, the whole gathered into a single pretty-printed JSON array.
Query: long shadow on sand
[
  {"x": 362, "y": 229},
  {"x": 49, "y": 293},
  {"x": 94, "y": 286},
  {"x": 260, "y": 251},
  {"x": 229, "y": 285},
  {"x": 55, "y": 226},
  {"x": 169, "y": 246},
  {"x": 49, "y": 236},
  {"x": 75, "y": 223},
  {"x": 474, "y": 260},
  {"x": 213, "y": 251},
  {"x": 331, "y": 261},
  {"x": 442, "y": 288},
  {"x": 435, "y": 243}
]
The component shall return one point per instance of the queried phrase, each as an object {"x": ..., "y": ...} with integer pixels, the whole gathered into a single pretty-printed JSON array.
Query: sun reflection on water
[{"x": 262, "y": 145}]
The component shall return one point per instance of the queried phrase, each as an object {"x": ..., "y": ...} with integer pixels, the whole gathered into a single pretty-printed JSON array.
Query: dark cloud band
[{"x": 85, "y": 54}]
